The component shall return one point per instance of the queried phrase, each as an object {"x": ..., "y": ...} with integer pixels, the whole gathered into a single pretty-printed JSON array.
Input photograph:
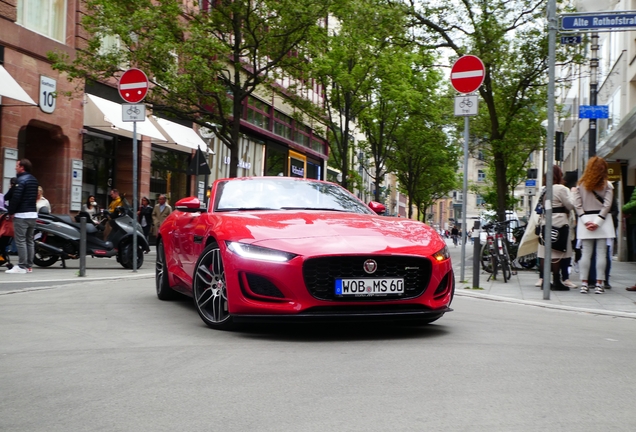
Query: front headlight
[
  {"x": 259, "y": 253},
  {"x": 442, "y": 254}
]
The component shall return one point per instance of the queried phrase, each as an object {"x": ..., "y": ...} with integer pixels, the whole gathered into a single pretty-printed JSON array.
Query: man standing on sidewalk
[{"x": 22, "y": 209}]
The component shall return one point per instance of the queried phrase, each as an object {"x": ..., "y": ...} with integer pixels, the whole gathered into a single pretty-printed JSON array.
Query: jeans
[
  {"x": 588, "y": 246},
  {"x": 23, "y": 235}
]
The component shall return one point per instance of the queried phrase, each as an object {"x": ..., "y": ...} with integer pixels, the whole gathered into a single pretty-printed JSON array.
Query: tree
[
  {"x": 345, "y": 64},
  {"x": 393, "y": 98},
  {"x": 513, "y": 47},
  {"x": 203, "y": 64}
]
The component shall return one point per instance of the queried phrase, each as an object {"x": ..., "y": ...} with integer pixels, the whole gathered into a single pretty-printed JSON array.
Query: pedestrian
[
  {"x": 144, "y": 216},
  {"x": 593, "y": 201},
  {"x": 160, "y": 213},
  {"x": 561, "y": 207},
  {"x": 454, "y": 235},
  {"x": 116, "y": 200},
  {"x": 23, "y": 210},
  {"x": 629, "y": 211},
  {"x": 42, "y": 203},
  {"x": 92, "y": 209}
]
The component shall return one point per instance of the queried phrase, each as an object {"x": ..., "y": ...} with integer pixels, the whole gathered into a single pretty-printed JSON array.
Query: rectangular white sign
[
  {"x": 133, "y": 112},
  {"x": 466, "y": 105}
]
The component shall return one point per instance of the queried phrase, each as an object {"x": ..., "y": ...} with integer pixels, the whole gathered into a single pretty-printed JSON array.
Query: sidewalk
[
  {"x": 616, "y": 301},
  {"x": 96, "y": 269}
]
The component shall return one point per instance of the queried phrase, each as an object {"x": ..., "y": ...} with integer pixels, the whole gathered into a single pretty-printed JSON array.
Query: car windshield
[{"x": 285, "y": 194}]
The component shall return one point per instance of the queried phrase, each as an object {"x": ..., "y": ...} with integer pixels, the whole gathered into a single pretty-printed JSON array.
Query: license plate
[{"x": 369, "y": 287}]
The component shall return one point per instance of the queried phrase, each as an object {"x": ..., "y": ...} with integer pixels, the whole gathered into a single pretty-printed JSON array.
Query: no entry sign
[
  {"x": 467, "y": 74},
  {"x": 133, "y": 86}
]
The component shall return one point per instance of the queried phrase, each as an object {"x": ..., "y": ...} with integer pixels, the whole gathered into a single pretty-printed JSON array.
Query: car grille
[{"x": 321, "y": 273}]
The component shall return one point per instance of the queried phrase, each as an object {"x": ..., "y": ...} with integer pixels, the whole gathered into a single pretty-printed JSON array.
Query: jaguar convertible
[{"x": 289, "y": 249}]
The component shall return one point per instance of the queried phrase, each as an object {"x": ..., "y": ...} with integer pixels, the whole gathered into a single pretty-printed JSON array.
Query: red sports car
[{"x": 288, "y": 249}]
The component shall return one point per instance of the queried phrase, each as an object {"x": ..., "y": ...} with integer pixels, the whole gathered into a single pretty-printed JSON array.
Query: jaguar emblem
[{"x": 370, "y": 266}]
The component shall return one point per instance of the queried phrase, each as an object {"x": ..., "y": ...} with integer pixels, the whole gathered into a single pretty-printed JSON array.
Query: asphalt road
[{"x": 109, "y": 356}]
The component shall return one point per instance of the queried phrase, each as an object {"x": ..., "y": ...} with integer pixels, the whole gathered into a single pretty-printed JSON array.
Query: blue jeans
[{"x": 23, "y": 235}]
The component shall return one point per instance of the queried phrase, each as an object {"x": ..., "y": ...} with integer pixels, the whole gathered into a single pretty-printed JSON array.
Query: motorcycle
[{"x": 58, "y": 237}]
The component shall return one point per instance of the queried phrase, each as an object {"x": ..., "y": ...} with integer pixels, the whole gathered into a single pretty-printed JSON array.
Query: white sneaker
[
  {"x": 539, "y": 283},
  {"x": 584, "y": 289},
  {"x": 568, "y": 283},
  {"x": 599, "y": 290},
  {"x": 16, "y": 269}
]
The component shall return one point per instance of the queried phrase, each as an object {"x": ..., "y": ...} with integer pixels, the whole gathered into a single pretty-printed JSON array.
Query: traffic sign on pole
[
  {"x": 467, "y": 74},
  {"x": 599, "y": 21},
  {"x": 133, "y": 86}
]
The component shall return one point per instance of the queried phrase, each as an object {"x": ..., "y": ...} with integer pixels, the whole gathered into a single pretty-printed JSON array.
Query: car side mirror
[
  {"x": 189, "y": 205},
  {"x": 377, "y": 207}
]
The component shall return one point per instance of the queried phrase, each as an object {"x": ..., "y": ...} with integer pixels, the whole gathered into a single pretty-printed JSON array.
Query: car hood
[{"x": 331, "y": 232}]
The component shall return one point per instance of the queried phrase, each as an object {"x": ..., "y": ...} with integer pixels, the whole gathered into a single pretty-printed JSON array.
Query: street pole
[
  {"x": 465, "y": 195},
  {"x": 547, "y": 260},
  {"x": 135, "y": 205},
  {"x": 593, "y": 91}
]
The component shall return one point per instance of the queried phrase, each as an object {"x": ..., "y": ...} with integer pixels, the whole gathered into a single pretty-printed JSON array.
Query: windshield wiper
[
  {"x": 315, "y": 208},
  {"x": 228, "y": 209}
]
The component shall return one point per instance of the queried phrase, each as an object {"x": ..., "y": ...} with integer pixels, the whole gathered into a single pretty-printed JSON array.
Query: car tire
[
  {"x": 126, "y": 255},
  {"x": 164, "y": 291},
  {"x": 209, "y": 289}
]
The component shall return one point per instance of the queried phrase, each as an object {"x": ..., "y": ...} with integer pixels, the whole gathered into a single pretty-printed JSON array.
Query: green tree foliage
[
  {"x": 203, "y": 65},
  {"x": 511, "y": 40},
  {"x": 345, "y": 64}
]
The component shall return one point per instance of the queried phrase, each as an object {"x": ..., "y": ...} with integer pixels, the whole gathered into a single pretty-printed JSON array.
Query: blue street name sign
[
  {"x": 531, "y": 183},
  {"x": 571, "y": 40},
  {"x": 593, "y": 111},
  {"x": 597, "y": 21}
]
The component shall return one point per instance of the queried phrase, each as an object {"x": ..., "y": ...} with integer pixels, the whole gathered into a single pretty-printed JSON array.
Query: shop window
[
  {"x": 282, "y": 125},
  {"x": 99, "y": 167},
  {"x": 47, "y": 17},
  {"x": 275, "y": 160},
  {"x": 297, "y": 165},
  {"x": 169, "y": 174},
  {"x": 258, "y": 113}
]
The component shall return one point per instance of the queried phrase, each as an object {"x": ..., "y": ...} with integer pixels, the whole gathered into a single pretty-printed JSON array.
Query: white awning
[
  {"x": 11, "y": 89},
  {"x": 105, "y": 115},
  {"x": 179, "y": 135}
]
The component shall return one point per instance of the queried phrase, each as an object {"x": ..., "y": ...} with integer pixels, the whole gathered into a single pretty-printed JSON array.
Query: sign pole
[
  {"x": 547, "y": 260},
  {"x": 135, "y": 205},
  {"x": 593, "y": 92},
  {"x": 464, "y": 235}
]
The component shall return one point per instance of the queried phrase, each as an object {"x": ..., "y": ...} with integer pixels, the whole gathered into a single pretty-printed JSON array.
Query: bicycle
[{"x": 494, "y": 253}]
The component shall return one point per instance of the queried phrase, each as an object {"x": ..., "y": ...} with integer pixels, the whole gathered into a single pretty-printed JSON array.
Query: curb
[{"x": 545, "y": 305}]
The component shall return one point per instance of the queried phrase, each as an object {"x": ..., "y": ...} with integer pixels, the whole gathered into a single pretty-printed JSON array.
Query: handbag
[
  {"x": 6, "y": 226},
  {"x": 559, "y": 237}
]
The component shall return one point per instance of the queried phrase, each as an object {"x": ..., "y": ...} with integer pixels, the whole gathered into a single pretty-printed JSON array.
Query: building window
[
  {"x": 282, "y": 125},
  {"x": 302, "y": 135},
  {"x": 47, "y": 17},
  {"x": 480, "y": 200},
  {"x": 481, "y": 176},
  {"x": 258, "y": 113}
]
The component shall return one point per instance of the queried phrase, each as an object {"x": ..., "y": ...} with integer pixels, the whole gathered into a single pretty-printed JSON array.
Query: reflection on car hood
[{"x": 331, "y": 232}]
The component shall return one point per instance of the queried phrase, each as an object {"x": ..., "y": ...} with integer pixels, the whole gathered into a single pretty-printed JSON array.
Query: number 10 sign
[{"x": 48, "y": 88}]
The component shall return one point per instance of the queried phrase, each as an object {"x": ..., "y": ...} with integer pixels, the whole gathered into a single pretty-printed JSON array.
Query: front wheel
[
  {"x": 209, "y": 289},
  {"x": 126, "y": 255}
]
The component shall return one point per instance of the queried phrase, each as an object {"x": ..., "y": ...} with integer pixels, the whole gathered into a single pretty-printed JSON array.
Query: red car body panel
[{"x": 307, "y": 234}]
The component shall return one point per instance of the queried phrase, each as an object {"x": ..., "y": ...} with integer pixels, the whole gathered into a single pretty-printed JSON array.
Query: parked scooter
[{"x": 58, "y": 236}]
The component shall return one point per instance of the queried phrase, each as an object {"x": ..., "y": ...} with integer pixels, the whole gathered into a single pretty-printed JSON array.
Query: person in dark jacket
[
  {"x": 144, "y": 216},
  {"x": 22, "y": 209}
]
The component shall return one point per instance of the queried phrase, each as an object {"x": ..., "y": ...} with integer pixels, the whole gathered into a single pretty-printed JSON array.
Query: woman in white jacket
[{"x": 592, "y": 202}]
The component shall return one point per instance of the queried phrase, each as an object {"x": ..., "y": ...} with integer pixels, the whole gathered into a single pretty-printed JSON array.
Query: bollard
[
  {"x": 476, "y": 254},
  {"x": 82, "y": 270}
]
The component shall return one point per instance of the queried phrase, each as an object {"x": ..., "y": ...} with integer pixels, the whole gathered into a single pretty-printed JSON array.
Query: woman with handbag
[
  {"x": 593, "y": 201},
  {"x": 560, "y": 239}
]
